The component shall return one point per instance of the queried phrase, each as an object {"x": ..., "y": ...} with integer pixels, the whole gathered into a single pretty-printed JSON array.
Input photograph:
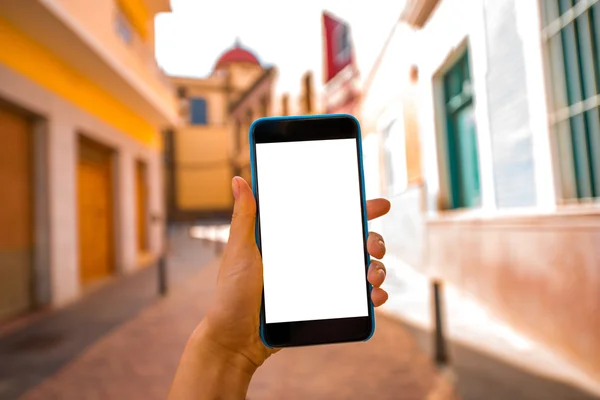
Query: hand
[
  {"x": 230, "y": 330},
  {"x": 233, "y": 319}
]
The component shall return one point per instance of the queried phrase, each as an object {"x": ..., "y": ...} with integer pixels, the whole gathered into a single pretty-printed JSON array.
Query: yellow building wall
[
  {"x": 206, "y": 156},
  {"x": 243, "y": 156},
  {"x": 217, "y": 107},
  {"x": 203, "y": 172},
  {"x": 29, "y": 58},
  {"x": 243, "y": 75}
]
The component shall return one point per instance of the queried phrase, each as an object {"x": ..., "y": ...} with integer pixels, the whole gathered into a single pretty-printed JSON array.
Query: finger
[
  {"x": 377, "y": 208},
  {"x": 376, "y": 245},
  {"x": 377, "y": 273},
  {"x": 378, "y": 296},
  {"x": 244, "y": 214}
]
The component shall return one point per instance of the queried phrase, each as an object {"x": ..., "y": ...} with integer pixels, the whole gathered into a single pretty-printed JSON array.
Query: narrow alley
[{"x": 124, "y": 342}]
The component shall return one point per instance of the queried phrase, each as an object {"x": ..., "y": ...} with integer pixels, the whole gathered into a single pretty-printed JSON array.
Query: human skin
[{"x": 225, "y": 349}]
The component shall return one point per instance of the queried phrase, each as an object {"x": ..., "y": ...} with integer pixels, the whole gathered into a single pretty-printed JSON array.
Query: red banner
[{"x": 339, "y": 52}]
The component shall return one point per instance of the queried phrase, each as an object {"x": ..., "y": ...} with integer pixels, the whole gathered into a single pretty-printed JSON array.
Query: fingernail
[
  {"x": 381, "y": 272},
  {"x": 235, "y": 186},
  {"x": 381, "y": 244}
]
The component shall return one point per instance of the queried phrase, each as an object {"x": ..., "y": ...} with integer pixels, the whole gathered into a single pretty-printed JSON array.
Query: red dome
[{"x": 235, "y": 55}]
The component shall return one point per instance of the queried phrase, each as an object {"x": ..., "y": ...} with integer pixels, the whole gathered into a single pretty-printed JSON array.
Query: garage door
[
  {"x": 95, "y": 203},
  {"x": 16, "y": 215}
]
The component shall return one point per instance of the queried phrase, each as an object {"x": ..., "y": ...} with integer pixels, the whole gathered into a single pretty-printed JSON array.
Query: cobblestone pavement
[{"x": 138, "y": 359}]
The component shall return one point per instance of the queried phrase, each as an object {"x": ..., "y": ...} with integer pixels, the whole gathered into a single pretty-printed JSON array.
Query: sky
[{"x": 286, "y": 34}]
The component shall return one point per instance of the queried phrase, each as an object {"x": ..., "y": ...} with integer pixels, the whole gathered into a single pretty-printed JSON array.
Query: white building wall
[
  {"x": 534, "y": 269},
  {"x": 504, "y": 43},
  {"x": 454, "y": 25}
]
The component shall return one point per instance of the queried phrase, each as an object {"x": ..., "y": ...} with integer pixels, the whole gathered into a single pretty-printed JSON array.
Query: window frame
[
  {"x": 573, "y": 112},
  {"x": 448, "y": 166}
]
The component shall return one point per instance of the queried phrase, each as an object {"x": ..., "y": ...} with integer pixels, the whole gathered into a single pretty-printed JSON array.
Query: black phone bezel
[{"x": 303, "y": 333}]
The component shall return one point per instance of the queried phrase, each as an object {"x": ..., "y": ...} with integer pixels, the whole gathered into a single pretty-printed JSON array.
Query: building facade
[
  {"x": 82, "y": 108},
  {"x": 508, "y": 127},
  {"x": 212, "y": 144},
  {"x": 392, "y": 147},
  {"x": 211, "y": 147}
]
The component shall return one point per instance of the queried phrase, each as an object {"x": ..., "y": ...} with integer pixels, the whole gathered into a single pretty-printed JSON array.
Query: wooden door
[
  {"x": 142, "y": 206},
  {"x": 95, "y": 202},
  {"x": 16, "y": 214}
]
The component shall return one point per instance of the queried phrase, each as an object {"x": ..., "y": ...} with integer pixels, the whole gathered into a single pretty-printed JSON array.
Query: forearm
[{"x": 208, "y": 371}]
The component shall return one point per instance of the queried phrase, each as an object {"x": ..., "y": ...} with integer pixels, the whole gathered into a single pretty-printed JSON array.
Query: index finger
[{"x": 377, "y": 208}]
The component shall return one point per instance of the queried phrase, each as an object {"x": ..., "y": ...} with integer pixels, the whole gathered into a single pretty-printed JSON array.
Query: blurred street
[
  {"x": 124, "y": 342},
  {"x": 136, "y": 357}
]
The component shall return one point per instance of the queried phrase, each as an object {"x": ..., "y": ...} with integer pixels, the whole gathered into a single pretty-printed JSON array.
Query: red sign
[{"x": 338, "y": 46}]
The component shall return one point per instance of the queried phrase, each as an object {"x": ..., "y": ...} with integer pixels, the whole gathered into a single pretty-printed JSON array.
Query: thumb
[{"x": 244, "y": 214}]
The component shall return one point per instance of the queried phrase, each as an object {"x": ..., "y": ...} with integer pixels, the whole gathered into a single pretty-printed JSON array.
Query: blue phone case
[{"x": 362, "y": 176}]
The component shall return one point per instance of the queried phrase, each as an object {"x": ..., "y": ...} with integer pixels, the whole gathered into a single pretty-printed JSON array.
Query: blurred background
[{"x": 122, "y": 123}]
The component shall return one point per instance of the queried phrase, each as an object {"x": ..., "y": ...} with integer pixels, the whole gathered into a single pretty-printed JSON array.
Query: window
[
  {"x": 181, "y": 92},
  {"x": 123, "y": 27},
  {"x": 461, "y": 136},
  {"x": 198, "y": 115},
  {"x": 571, "y": 33}
]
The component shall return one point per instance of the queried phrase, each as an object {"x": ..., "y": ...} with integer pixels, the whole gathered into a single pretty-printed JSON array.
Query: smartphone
[{"x": 311, "y": 229}]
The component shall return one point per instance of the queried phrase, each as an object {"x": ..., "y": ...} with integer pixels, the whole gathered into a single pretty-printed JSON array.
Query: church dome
[{"x": 236, "y": 55}]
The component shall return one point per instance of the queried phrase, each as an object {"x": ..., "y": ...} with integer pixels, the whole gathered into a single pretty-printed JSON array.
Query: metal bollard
[
  {"x": 162, "y": 274},
  {"x": 441, "y": 353}
]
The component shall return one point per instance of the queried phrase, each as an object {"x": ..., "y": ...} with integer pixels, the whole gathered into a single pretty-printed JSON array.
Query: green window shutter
[{"x": 461, "y": 136}]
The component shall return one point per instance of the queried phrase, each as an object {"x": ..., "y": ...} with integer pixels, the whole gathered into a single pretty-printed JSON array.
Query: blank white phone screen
[{"x": 311, "y": 230}]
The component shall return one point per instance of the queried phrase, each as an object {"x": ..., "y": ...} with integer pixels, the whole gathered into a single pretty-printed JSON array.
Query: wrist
[
  {"x": 204, "y": 344},
  {"x": 208, "y": 370}
]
